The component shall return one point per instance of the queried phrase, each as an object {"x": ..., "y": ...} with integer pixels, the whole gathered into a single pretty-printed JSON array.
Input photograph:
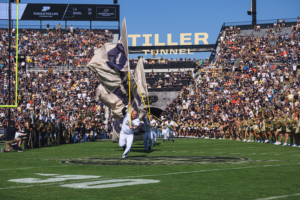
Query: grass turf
[{"x": 272, "y": 171}]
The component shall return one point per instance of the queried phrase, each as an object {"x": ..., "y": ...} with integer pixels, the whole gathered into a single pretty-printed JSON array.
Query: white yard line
[
  {"x": 35, "y": 167},
  {"x": 278, "y": 197},
  {"x": 96, "y": 156},
  {"x": 54, "y": 183},
  {"x": 209, "y": 170},
  {"x": 151, "y": 175}
]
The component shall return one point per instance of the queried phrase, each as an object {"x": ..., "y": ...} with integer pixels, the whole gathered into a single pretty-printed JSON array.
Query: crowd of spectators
[
  {"x": 169, "y": 79},
  {"x": 252, "y": 84},
  {"x": 54, "y": 47},
  {"x": 59, "y": 95},
  {"x": 249, "y": 75}
]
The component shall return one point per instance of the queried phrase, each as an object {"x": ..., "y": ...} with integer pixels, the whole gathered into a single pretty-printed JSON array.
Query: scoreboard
[
  {"x": 92, "y": 12},
  {"x": 78, "y": 12}
]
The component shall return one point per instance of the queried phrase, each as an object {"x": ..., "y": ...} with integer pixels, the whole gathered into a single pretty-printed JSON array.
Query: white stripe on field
[
  {"x": 140, "y": 176},
  {"x": 209, "y": 170},
  {"x": 35, "y": 167},
  {"x": 60, "y": 183},
  {"x": 278, "y": 197}
]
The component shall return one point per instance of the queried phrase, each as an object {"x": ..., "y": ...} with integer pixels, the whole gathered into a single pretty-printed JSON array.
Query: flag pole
[
  {"x": 129, "y": 96},
  {"x": 124, "y": 41},
  {"x": 163, "y": 122},
  {"x": 148, "y": 113},
  {"x": 148, "y": 102}
]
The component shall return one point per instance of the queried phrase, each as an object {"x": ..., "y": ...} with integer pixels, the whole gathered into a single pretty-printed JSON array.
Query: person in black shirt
[
  {"x": 27, "y": 133},
  {"x": 10, "y": 138}
]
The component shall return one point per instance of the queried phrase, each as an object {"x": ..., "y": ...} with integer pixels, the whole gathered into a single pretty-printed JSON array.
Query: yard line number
[{"x": 99, "y": 184}]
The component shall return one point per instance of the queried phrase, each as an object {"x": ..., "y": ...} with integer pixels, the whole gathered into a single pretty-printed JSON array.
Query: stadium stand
[
  {"x": 50, "y": 81},
  {"x": 249, "y": 85}
]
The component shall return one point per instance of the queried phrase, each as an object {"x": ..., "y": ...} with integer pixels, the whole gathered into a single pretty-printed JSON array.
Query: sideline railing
[
  {"x": 169, "y": 64},
  {"x": 36, "y": 25},
  {"x": 268, "y": 21}
]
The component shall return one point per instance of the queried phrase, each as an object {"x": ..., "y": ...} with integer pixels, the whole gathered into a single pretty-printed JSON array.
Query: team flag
[
  {"x": 138, "y": 91},
  {"x": 110, "y": 63}
]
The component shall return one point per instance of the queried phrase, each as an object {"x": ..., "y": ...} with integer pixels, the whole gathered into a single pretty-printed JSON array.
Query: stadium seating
[
  {"x": 169, "y": 65},
  {"x": 253, "y": 76}
]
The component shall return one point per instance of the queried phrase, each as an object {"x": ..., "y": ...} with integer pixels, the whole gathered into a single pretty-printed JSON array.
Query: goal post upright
[{"x": 16, "y": 70}]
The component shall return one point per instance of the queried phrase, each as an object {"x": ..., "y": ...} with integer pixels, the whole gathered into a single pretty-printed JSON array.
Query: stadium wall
[{"x": 164, "y": 98}]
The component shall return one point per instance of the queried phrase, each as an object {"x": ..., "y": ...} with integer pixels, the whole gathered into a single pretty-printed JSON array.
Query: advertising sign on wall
[{"x": 78, "y": 12}]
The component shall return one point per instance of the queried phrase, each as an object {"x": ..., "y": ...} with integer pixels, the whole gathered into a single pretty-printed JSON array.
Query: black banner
[
  {"x": 78, "y": 12},
  {"x": 92, "y": 12},
  {"x": 44, "y": 12}
]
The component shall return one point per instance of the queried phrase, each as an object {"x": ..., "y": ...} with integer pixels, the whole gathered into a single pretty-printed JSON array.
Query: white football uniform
[
  {"x": 167, "y": 130},
  {"x": 127, "y": 134}
]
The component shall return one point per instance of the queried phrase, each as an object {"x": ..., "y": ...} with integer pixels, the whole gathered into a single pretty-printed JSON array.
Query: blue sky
[{"x": 189, "y": 16}]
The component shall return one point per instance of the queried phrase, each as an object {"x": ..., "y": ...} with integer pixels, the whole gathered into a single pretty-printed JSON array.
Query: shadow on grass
[
  {"x": 143, "y": 150},
  {"x": 139, "y": 147}
]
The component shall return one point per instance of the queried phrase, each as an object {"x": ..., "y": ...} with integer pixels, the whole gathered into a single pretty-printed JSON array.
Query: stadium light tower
[{"x": 253, "y": 12}]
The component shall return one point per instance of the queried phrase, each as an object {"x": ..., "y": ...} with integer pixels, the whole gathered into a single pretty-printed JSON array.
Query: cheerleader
[
  {"x": 273, "y": 128},
  {"x": 297, "y": 131},
  {"x": 250, "y": 129},
  {"x": 210, "y": 127},
  {"x": 269, "y": 128},
  {"x": 199, "y": 130},
  {"x": 202, "y": 128},
  {"x": 264, "y": 129},
  {"x": 205, "y": 128},
  {"x": 195, "y": 128},
  {"x": 293, "y": 130},
  {"x": 256, "y": 130},
  {"x": 230, "y": 129},
  {"x": 180, "y": 125},
  {"x": 215, "y": 127},
  {"x": 225, "y": 129},
  {"x": 183, "y": 129},
  {"x": 184, "y": 133},
  {"x": 244, "y": 129},
  {"x": 238, "y": 129},
  {"x": 288, "y": 130},
  {"x": 279, "y": 131},
  {"x": 187, "y": 129},
  {"x": 220, "y": 129}
]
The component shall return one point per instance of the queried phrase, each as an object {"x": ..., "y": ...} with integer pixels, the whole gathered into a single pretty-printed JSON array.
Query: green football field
[{"x": 186, "y": 169}]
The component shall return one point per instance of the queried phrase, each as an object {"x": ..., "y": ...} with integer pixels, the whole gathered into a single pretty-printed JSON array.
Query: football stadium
[{"x": 118, "y": 99}]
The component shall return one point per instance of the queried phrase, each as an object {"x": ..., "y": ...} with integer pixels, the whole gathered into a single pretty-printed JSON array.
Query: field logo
[
  {"x": 45, "y": 8},
  {"x": 96, "y": 184},
  {"x": 158, "y": 160},
  {"x": 55, "y": 178}
]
